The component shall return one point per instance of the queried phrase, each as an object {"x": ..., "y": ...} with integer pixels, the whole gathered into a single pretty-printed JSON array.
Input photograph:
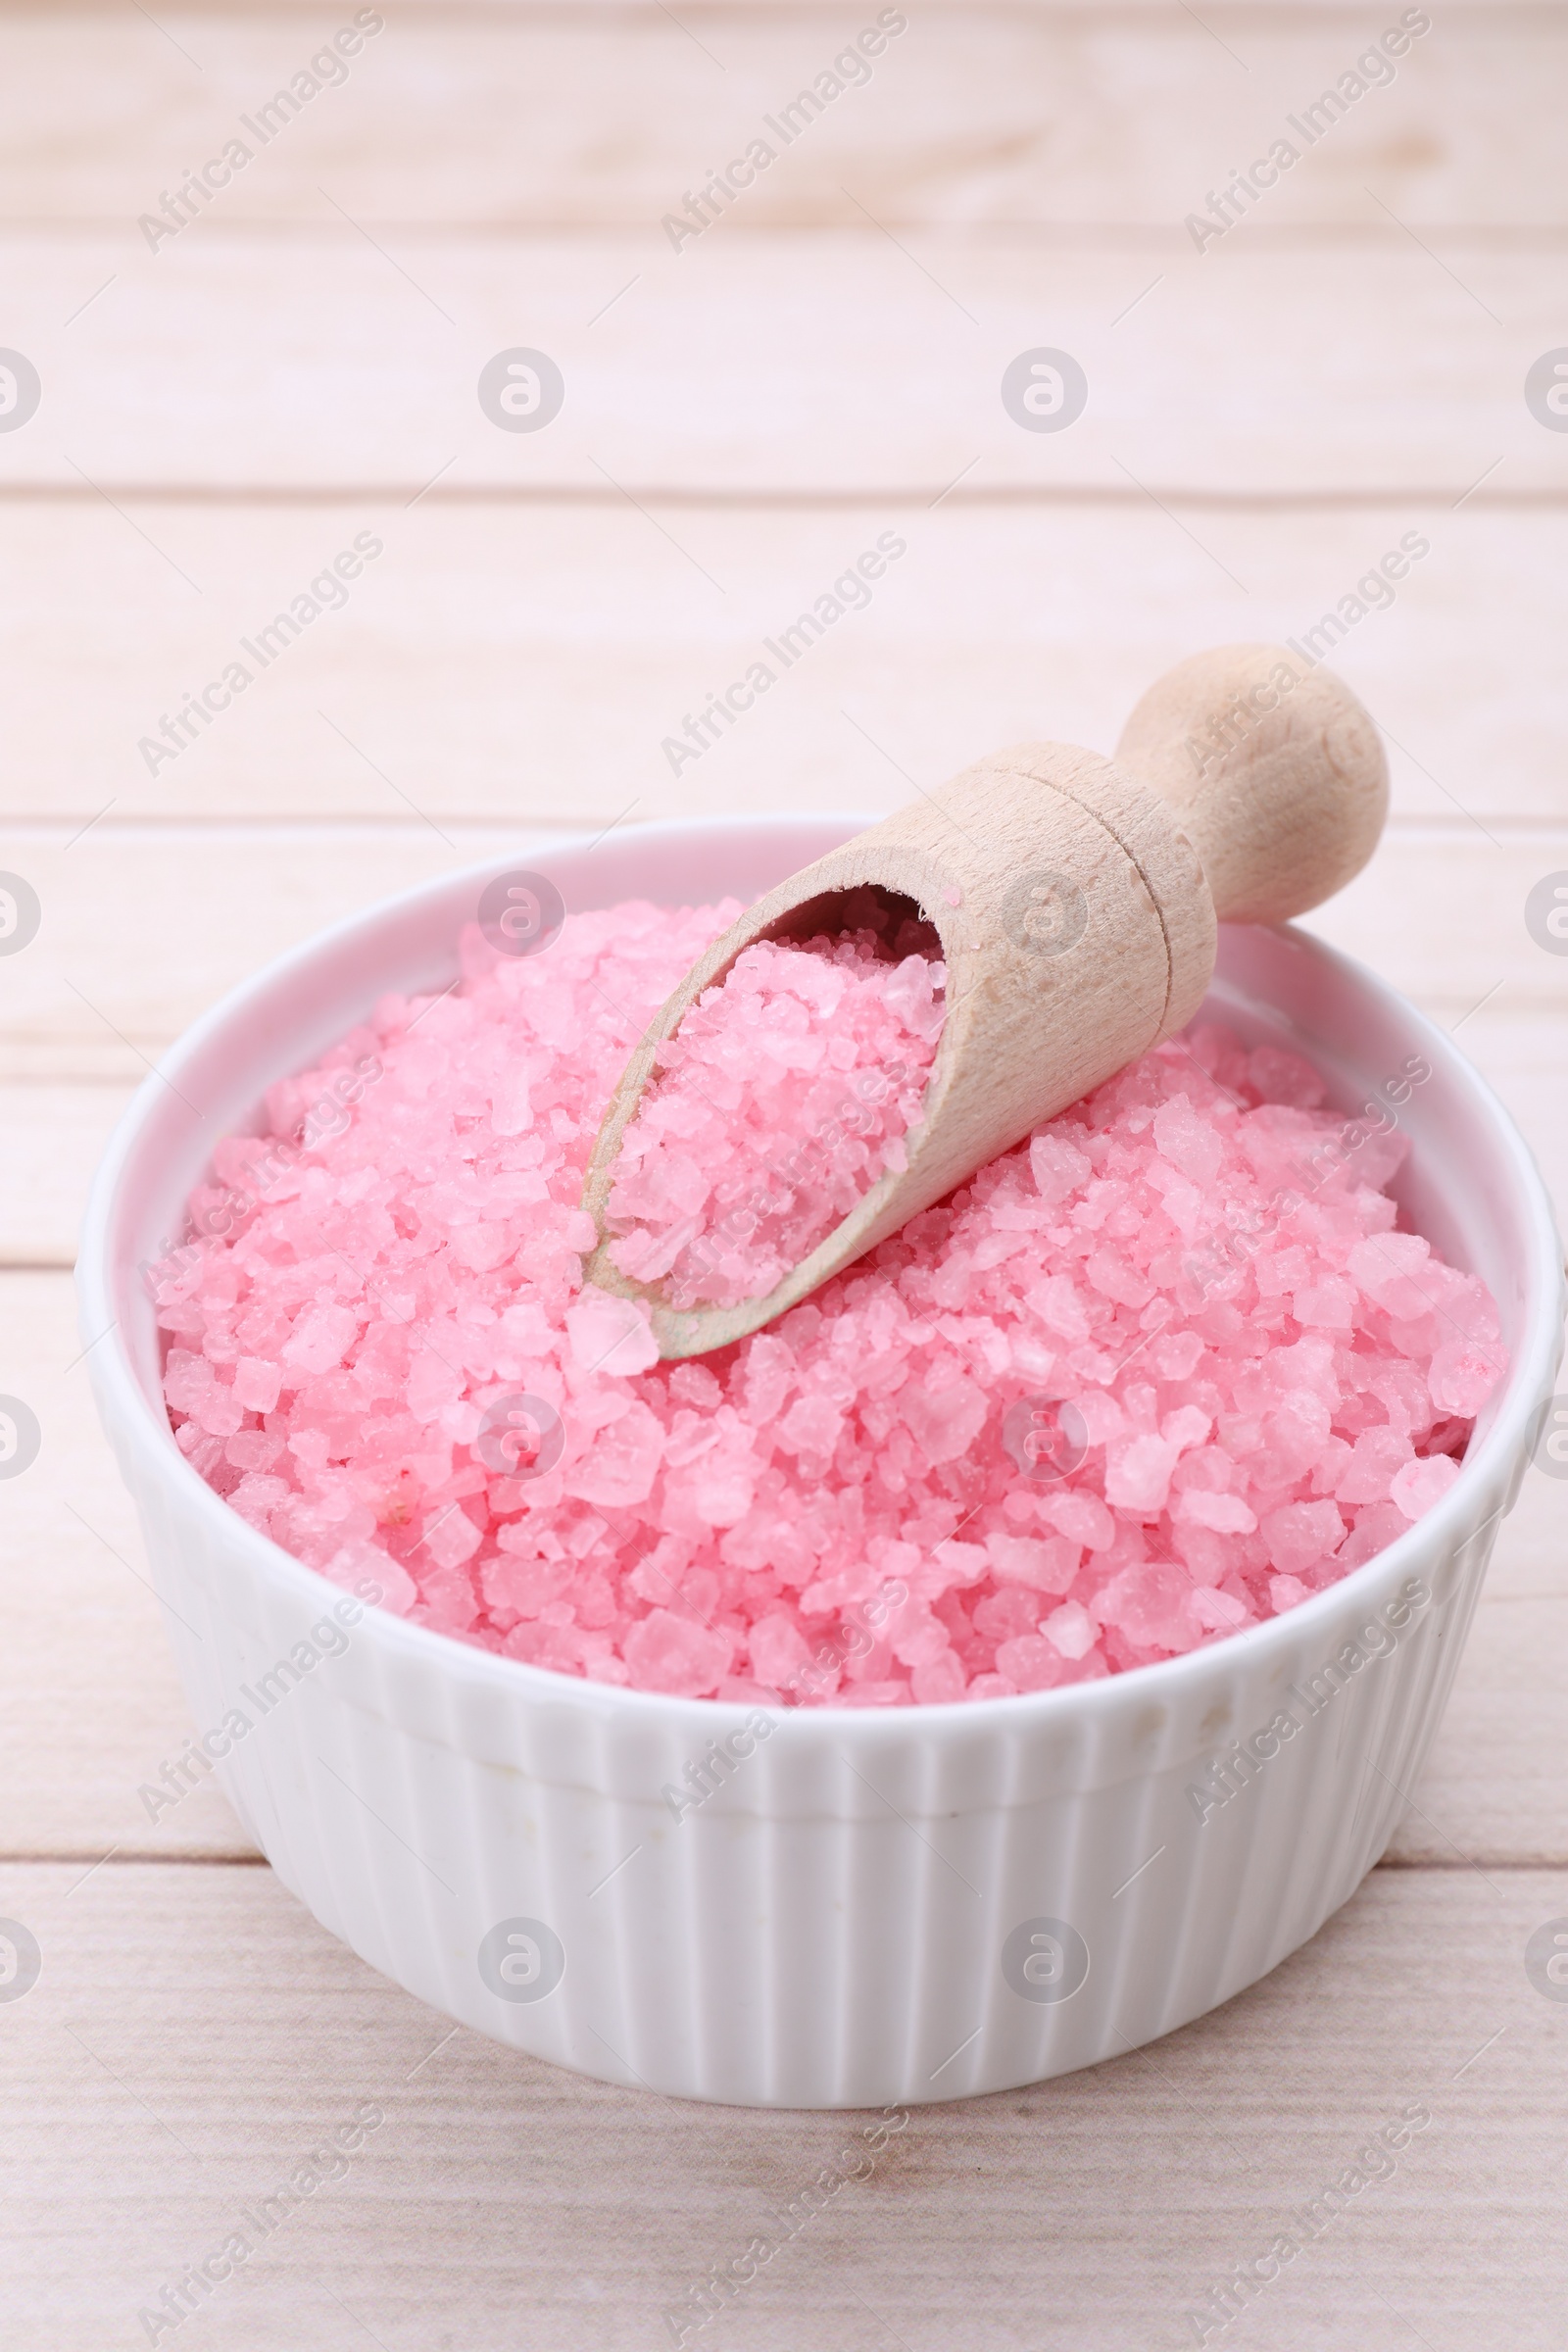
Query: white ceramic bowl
[{"x": 875, "y": 1908}]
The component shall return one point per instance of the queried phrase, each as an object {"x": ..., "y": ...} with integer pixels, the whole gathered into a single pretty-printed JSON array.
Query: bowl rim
[{"x": 124, "y": 1406}]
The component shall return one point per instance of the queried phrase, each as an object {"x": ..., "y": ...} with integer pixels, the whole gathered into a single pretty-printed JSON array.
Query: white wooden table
[{"x": 222, "y": 410}]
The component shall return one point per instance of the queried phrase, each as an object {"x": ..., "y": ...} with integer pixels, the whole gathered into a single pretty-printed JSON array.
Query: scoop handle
[{"x": 1272, "y": 769}]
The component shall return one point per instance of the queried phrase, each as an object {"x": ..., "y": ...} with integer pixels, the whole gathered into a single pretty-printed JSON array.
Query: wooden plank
[
  {"x": 1094, "y": 2211},
  {"x": 92, "y": 1704},
  {"x": 521, "y": 665},
  {"x": 975, "y": 113},
  {"x": 1519, "y": 1054},
  {"x": 1438, "y": 917},
  {"x": 1490, "y": 1792},
  {"x": 844, "y": 361},
  {"x": 54, "y": 1136},
  {"x": 1441, "y": 915}
]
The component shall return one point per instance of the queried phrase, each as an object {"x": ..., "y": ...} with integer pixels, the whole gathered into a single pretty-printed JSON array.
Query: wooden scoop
[{"x": 1075, "y": 899}]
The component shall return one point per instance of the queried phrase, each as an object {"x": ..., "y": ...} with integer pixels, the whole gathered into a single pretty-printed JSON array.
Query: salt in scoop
[{"x": 1076, "y": 901}]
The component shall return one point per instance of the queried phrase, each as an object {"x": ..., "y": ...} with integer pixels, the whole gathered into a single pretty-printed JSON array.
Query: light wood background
[{"x": 219, "y": 418}]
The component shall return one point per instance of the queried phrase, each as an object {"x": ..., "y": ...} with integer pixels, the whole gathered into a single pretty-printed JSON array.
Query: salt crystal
[
  {"x": 678, "y": 1654},
  {"x": 1463, "y": 1374},
  {"x": 321, "y": 1339},
  {"x": 1189, "y": 1142},
  {"x": 1279, "y": 1076},
  {"x": 939, "y": 1681},
  {"x": 1059, "y": 1167},
  {"x": 1390, "y": 1271},
  {"x": 256, "y": 1383},
  {"x": 1070, "y": 1628},
  {"x": 1421, "y": 1484},
  {"x": 1138, "y": 1474},
  {"x": 1375, "y": 1528},
  {"x": 1377, "y": 1454},
  {"x": 945, "y": 1417},
  {"x": 1047, "y": 1566},
  {"x": 452, "y": 1537},
  {"x": 1216, "y": 1610},
  {"x": 611, "y": 1334},
  {"x": 1150, "y": 1605},
  {"x": 779, "y": 1651},
  {"x": 1224, "y": 1514},
  {"x": 1300, "y": 1535},
  {"x": 621, "y": 1465},
  {"x": 1031, "y": 1662},
  {"x": 1324, "y": 1305}
]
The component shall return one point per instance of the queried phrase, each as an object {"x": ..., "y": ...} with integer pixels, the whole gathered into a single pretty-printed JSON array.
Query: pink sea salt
[
  {"x": 786, "y": 1092},
  {"x": 1164, "y": 1370}
]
